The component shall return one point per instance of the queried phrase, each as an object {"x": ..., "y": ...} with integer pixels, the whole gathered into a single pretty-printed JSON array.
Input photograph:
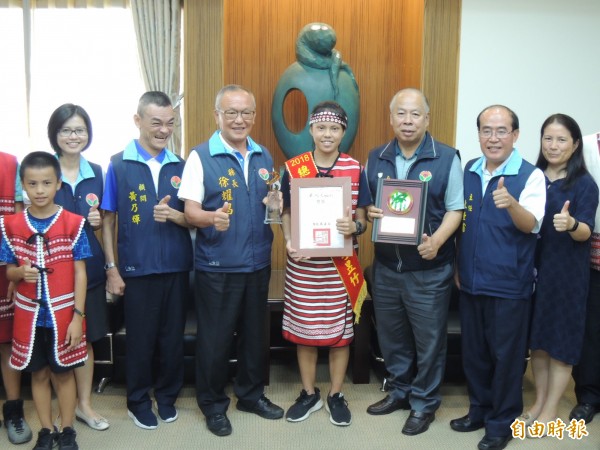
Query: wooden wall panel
[
  {"x": 380, "y": 40},
  {"x": 203, "y": 68},
  {"x": 389, "y": 44},
  {"x": 441, "y": 47}
]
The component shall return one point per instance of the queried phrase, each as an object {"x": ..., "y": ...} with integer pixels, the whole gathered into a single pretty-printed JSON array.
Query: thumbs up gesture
[
  {"x": 94, "y": 217},
  {"x": 162, "y": 210},
  {"x": 501, "y": 196},
  {"x": 30, "y": 274},
  {"x": 428, "y": 248},
  {"x": 221, "y": 218},
  {"x": 563, "y": 220},
  {"x": 345, "y": 225}
]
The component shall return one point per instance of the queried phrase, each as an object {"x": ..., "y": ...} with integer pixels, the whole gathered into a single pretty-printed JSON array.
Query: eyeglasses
[
  {"x": 66, "y": 132},
  {"x": 232, "y": 114},
  {"x": 500, "y": 133}
]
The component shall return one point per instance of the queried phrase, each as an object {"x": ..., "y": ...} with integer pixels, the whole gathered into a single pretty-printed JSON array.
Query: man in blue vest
[
  {"x": 505, "y": 198},
  {"x": 223, "y": 192},
  {"x": 155, "y": 257},
  {"x": 412, "y": 284}
]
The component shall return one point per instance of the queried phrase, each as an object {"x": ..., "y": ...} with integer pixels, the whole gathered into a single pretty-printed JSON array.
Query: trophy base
[{"x": 272, "y": 217}]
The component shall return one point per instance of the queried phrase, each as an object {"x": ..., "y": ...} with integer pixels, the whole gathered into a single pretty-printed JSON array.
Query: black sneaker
[
  {"x": 45, "y": 440},
  {"x": 339, "y": 414},
  {"x": 304, "y": 406},
  {"x": 14, "y": 420},
  {"x": 66, "y": 439}
]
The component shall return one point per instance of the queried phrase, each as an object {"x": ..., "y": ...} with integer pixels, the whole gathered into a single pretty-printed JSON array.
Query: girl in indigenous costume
[{"x": 320, "y": 293}]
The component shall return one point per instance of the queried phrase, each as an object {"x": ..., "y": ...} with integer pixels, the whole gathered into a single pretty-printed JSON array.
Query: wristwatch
[
  {"x": 109, "y": 265},
  {"x": 359, "y": 228},
  {"x": 575, "y": 225}
]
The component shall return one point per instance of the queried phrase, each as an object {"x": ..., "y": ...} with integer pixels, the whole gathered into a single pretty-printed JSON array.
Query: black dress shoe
[
  {"x": 465, "y": 424},
  {"x": 583, "y": 411},
  {"x": 263, "y": 408},
  {"x": 417, "y": 423},
  {"x": 219, "y": 424},
  {"x": 387, "y": 405},
  {"x": 493, "y": 443}
]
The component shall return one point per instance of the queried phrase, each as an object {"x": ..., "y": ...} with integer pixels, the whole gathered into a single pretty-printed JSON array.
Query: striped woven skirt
[{"x": 316, "y": 308}]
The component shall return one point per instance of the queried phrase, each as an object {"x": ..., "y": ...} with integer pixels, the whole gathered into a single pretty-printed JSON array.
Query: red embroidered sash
[{"x": 348, "y": 267}]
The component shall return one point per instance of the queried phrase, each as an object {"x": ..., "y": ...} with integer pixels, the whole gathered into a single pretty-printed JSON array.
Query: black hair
[
  {"x": 576, "y": 164},
  {"x": 331, "y": 106},
  {"x": 40, "y": 160},
  {"x": 58, "y": 119},
  {"x": 157, "y": 98}
]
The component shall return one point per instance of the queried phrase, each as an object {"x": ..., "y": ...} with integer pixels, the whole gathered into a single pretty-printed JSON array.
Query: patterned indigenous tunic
[
  {"x": 8, "y": 167},
  {"x": 317, "y": 311},
  {"x": 51, "y": 250}
]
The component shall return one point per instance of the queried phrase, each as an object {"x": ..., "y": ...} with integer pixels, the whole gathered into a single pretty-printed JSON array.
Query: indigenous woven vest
[
  {"x": 52, "y": 252},
  {"x": 8, "y": 169}
]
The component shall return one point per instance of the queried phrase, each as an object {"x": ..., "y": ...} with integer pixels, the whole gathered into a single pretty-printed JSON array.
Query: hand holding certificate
[{"x": 317, "y": 203}]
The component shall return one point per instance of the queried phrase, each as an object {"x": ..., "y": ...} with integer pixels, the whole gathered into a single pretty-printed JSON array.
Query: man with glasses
[
  {"x": 223, "y": 186},
  {"x": 505, "y": 198}
]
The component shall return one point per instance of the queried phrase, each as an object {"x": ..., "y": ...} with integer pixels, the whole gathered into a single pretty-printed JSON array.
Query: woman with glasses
[
  {"x": 562, "y": 261},
  {"x": 318, "y": 302},
  {"x": 70, "y": 133}
]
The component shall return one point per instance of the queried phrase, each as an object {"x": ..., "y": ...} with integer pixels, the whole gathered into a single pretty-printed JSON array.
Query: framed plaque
[
  {"x": 316, "y": 205},
  {"x": 404, "y": 203}
]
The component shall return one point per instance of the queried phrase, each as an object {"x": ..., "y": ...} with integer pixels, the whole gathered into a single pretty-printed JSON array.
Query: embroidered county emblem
[
  {"x": 175, "y": 182},
  {"x": 91, "y": 199},
  {"x": 264, "y": 174},
  {"x": 400, "y": 202},
  {"x": 425, "y": 175}
]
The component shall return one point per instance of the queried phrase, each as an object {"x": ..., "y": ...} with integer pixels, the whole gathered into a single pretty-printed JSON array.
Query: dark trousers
[
  {"x": 494, "y": 345},
  {"x": 411, "y": 309},
  {"x": 154, "y": 319},
  {"x": 228, "y": 303},
  {"x": 587, "y": 373}
]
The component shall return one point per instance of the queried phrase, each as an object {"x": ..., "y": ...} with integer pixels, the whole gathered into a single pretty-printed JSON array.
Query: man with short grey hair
[
  {"x": 223, "y": 192},
  {"x": 412, "y": 284}
]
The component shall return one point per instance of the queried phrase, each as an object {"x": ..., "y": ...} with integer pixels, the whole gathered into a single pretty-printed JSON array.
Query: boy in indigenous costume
[
  {"x": 11, "y": 202},
  {"x": 44, "y": 248},
  {"x": 321, "y": 294}
]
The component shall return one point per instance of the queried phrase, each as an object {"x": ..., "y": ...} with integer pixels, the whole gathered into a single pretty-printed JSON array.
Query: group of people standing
[
  {"x": 521, "y": 263},
  {"x": 486, "y": 230}
]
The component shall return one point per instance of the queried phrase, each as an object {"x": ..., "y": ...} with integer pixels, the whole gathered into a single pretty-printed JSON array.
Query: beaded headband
[{"x": 328, "y": 116}]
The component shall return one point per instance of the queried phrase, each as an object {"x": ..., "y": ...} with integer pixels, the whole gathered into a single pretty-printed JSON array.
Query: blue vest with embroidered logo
[
  {"x": 76, "y": 203},
  {"x": 495, "y": 258},
  {"x": 145, "y": 246},
  {"x": 435, "y": 158},
  {"x": 246, "y": 246}
]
